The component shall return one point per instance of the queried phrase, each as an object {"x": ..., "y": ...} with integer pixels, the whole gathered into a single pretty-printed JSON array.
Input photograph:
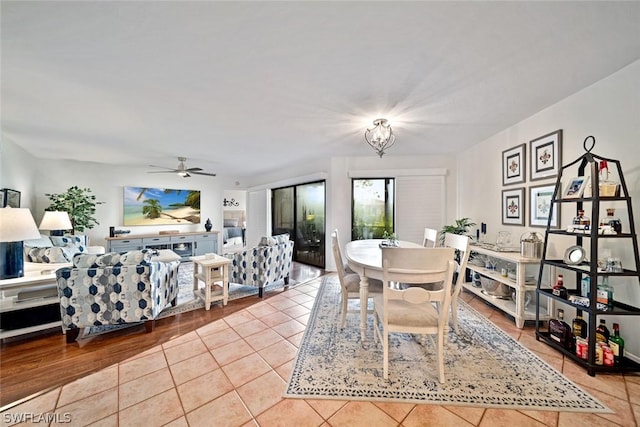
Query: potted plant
[
  {"x": 79, "y": 203},
  {"x": 462, "y": 227}
]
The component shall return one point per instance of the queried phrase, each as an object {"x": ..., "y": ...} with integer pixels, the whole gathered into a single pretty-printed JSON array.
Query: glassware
[
  {"x": 606, "y": 187},
  {"x": 616, "y": 342},
  {"x": 605, "y": 293},
  {"x": 611, "y": 223}
]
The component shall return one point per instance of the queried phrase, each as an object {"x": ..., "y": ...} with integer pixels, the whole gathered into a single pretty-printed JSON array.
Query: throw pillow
[
  {"x": 70, "y": 244},
  {"x": 230, "y": 222},
  {"x": 136, "y": 257},
  {"x": 282, "y": 238},
  {"x": 267, "y": 241},
  {"x": 47, "y": 255}
]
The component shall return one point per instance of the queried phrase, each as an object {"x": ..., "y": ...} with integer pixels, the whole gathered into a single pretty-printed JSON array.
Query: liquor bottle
[
  {"x": 617, "y": 344},
  {"x": 558, "y": 289},
  {"x": 602, "y": 332},
  {"x": 580, "y": 221},
  {"x": 605, "y": 293},
  {"x": 579, "y": 327},
  {"x": 560, "y": 331},
  {"x": 611, "y": 223},
  {"x": 585, "y": 286}
]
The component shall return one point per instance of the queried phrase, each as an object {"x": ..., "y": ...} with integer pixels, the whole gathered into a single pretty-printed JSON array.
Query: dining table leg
[{"x": 364, "y": 302}]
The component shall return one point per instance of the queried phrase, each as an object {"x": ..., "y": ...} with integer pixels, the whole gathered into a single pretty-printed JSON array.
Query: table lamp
[
  {"x": 56, "y": 222},
  {"x": 16, "y": 225}
]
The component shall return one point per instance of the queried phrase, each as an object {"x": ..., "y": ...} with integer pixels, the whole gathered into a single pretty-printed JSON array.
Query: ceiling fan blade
[
  {"x": 193, "y": 169},
  {"x": 202, "y": 173},
  {"x": 167, "y": 171}
]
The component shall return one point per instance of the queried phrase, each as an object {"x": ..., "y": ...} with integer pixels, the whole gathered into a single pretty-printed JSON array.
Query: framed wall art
[
  {"x": 160, "y": 206},
  {"x": 513, "y": 207},
  {"x": 514, "y": 165},
  {"x": 2, "y": 199},
  {"x": 575, "y": 187},
  {"x": 11, "y": 198},
  {"x": 540, "y": 206},
  {"x": 546, "y": 155}
]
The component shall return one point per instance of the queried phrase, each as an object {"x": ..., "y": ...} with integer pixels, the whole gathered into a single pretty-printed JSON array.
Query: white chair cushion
[{"x": 406, "y": 314}]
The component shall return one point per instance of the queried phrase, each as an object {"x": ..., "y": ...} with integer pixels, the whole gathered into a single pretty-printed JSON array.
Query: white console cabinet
[
  {"x": 523, "y": 267},
  {"x": 184, "y": 244}
]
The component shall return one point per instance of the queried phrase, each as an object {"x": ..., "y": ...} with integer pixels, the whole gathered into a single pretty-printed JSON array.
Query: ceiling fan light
[{"x": 184, "y": 174}]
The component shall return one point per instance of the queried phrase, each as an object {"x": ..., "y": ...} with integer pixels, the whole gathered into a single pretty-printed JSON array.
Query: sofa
[
  {"x": 264, "y": 264},
  {"x": 114, "y": 288}
]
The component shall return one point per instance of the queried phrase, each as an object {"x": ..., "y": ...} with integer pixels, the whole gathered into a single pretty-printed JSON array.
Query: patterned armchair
[
  {"x": 264, "y": 264},
  {"x": 115, "y": 288}
]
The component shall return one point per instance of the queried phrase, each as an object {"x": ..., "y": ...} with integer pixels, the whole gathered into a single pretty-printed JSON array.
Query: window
[{"x": 372, "y": 208}]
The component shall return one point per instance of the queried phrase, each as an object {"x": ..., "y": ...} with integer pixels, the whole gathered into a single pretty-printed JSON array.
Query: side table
[{"x": 213, "y": 271}]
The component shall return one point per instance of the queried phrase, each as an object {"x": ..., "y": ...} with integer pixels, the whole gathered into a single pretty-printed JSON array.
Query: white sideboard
[
  {"x": 184, "y": 244},
  {"x": 523, "y": 267}
]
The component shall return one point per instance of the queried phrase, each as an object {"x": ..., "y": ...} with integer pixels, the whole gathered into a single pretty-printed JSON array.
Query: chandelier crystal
[{"x": 380, "y": 137}]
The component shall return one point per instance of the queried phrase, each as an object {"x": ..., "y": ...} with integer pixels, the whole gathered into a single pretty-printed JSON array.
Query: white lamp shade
[
  {"x": 17, "y": 224},
  {"x": 55, "y": 220}
]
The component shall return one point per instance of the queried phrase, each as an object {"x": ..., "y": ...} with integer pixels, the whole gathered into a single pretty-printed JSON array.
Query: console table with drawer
[{"x": 186, "y": 244}]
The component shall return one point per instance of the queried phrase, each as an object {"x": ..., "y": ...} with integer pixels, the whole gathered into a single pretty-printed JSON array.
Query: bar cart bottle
[{"x": 560, "y": 331}]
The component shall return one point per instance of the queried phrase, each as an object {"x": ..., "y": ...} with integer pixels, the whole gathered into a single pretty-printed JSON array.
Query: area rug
[{"x": 484, "y": 367}]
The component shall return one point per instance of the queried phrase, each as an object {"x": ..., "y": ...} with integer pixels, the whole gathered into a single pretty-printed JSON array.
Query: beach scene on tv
[{"x": 160, "y": 206}]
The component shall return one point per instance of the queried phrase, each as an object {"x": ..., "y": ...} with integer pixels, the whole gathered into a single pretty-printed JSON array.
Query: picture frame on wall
[
  {"x": 2, "y": 199},
  {"x": 513, "y": 206},
  {"x": 540, "y": 206},
  {"x": 575, "y": 187},
  {"x": 11, "y": 198},
  {"x": 546, "y": 155},
  {"x": 514, "y": 165}
]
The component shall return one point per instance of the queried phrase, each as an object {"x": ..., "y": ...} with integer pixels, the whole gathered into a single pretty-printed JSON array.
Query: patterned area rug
[{"x": 484, "y": 367}]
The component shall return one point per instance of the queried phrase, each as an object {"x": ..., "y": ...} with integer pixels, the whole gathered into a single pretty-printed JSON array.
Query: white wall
[
  {"x": 16, "y": 172},
  {"x": 610, "y": 111}
]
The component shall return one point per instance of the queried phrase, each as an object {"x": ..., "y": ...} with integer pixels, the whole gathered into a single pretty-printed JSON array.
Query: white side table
[{"x": 213, "y": 271}]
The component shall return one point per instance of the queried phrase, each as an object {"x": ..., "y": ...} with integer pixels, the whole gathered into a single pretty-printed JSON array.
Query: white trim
[
  {"x": 390, "y": 173},
  {"x": 319, "y": 176}
]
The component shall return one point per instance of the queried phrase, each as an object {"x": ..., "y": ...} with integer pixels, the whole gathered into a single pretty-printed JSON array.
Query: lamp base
[
  {"x": 56, "y": 232},
  {"x": 12, "y": 257}
]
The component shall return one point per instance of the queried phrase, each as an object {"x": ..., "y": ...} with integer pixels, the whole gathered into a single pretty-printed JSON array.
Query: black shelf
[
  {"x": 588, "y": 166},
  {"x": 626, "y": 365}
]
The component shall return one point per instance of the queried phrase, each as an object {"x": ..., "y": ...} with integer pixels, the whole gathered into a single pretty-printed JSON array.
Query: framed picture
[
  {"x": 575, "y": 187},
  {"x": 513, "y": 206},
  {"x": 546, "y": 155},
  {"x": 11, "y": 198},
  {"x": 160, "y": 206},
  {"x": 540, "y": 206},
  {"x": 514, "y": 165},
  {"x": 2, "y": 199}
]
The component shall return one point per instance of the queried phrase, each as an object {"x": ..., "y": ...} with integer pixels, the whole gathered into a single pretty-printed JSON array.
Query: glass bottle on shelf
[
  {"x": 606, "y": 188},
  {"x": 616, "y": 342},
  {"x": 602, "y": 332},
  {"x": 581, "y": 221},
  {"x": 605, "y": 293},
  {"x": 579, "y": 326},
  {"x": 610, "y": 223},
  {"x": 558, "y": 289},
  {"x": 560, "y": 331}
]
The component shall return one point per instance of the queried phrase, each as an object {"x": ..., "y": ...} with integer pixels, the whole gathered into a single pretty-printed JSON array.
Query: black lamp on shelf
[{"x": 16, "y": 226}]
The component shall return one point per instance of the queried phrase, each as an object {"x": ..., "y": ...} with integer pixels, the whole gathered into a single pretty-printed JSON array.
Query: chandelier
[{"x": 380, "y": 137}]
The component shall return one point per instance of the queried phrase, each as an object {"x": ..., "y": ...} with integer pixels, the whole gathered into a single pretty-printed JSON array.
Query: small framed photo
[
  {"x": 540, "y": 207},
  {"x": 575, "y": 187},
  {"x": 514, "y": 165},
  {"x": 546, "y": 155},
  {"x": 11, "y": 198},
  {"x": 513, "y": 206}
]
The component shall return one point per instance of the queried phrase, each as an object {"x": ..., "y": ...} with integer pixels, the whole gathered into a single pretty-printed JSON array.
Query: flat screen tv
[{"x": 161, "y": 206}]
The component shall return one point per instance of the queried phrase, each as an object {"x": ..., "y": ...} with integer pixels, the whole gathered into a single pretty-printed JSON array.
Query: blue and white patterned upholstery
[
  {"x": 261, "y": 265},
  {"x": 111, "y": 289}
]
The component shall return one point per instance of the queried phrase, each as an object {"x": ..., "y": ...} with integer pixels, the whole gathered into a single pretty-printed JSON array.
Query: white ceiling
[{"x": 267, "y": 84}]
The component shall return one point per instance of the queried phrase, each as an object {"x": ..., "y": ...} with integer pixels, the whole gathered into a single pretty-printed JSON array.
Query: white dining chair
[
  {"x": 461, "y": 244},
  {"x": 430, "y": 238},
  {"x": 414, "y": 310},
  {"x": 349, "y": 282}
]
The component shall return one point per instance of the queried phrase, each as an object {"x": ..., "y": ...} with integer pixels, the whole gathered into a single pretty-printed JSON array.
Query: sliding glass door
[{"x": 300, "y": 211}]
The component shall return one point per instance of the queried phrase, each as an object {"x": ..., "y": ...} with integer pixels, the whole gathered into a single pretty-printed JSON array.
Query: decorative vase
[{"x": 207, "y": 225}]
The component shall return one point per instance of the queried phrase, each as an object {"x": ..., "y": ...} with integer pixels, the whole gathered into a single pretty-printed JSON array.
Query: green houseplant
[
  {"x": 79, "y": 203},
  {"x": 461, "y": 226}
]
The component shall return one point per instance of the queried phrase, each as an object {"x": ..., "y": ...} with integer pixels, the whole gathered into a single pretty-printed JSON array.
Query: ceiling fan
[{"x": 182, "y": 170}]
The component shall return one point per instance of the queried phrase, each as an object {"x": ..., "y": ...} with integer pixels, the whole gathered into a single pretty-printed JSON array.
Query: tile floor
[{"x": 232, "y": 372}]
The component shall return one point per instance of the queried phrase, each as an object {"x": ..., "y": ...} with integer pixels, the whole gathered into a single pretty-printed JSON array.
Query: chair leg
[
  {"x": 454, "y": 315},
  {"x": 441, "y": 357},
  {"x": 148, "y": 325},
  {"x": 385, "y": 351},
  {"x": 72, "y": 334},
  {"x": 344, "y": 303}
]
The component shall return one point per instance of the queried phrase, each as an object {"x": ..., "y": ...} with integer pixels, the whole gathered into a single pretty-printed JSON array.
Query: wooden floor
[{"x": 30, "y": 364}]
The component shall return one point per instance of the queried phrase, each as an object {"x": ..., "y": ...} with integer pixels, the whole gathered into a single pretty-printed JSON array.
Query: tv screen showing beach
[{"x": 161, "y": 206}]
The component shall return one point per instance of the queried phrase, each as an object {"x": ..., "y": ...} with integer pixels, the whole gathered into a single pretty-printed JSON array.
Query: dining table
[{"x": 365, "y": 258}]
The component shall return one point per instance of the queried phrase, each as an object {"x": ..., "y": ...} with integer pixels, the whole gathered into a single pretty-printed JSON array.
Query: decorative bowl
[{"x": 494, "y": 288}]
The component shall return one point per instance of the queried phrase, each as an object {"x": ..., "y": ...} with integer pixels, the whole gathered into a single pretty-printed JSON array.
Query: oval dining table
[{"x": 365, "y": 258}]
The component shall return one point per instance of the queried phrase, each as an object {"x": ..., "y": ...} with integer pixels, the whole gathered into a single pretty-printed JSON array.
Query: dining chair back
[
  {"x": 349, "y": 282},
  {"x": 461, "y": 244},
  {"x": 430, "y": 238},
  {"x": 413, "y": 309}
]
